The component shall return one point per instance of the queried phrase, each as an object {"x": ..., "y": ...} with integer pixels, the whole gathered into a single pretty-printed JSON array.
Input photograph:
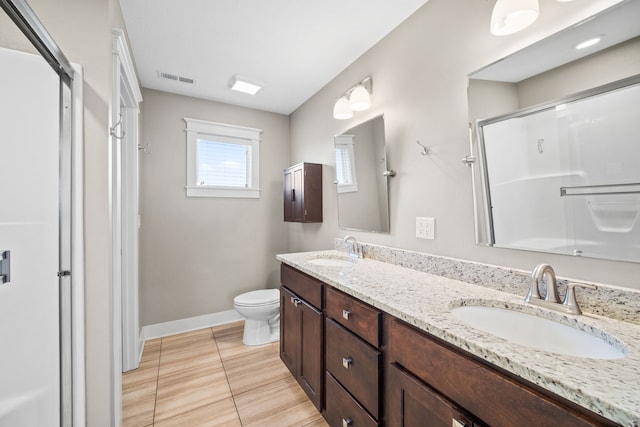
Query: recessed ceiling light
[
  {"x": 245, "y": 85},
  {"x": 588, "y": 43}
]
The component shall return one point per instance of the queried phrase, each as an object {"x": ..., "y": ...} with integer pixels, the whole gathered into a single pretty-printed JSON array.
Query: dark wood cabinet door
[
  {"x": 297, "y": 195},
  {"x": 301, "y": 344},
  {"x": 413, "y": 404},
  {"x": 290, "y": 345},
  {"x": 311, "y": 376},
  {"x": 288, "y": 194}
]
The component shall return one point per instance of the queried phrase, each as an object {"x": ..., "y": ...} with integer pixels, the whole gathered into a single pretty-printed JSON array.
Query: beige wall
[
  {"x": 196, "y": 254},
  {"x": 419, "y": 79}
]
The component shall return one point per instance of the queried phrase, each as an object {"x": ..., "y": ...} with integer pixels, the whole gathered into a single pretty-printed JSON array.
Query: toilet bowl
[{"x": 261, "y": 310}]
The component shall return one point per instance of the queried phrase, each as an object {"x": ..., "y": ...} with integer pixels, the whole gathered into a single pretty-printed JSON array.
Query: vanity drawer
[
  {"x": 342, "y": 410},
  {"x": 360, "y": 318},
  {"x": 355, "y": 364},
  {"x": 306, "y": 287}
]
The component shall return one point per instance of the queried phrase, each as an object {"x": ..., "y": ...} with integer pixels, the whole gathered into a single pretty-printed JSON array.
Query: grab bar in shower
[{"x": 600, "y": 190}]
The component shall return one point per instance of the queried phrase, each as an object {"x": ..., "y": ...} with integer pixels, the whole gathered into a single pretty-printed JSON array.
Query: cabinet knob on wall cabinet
[
  {"x": 346, "y": 314},
  {"x": 346, "y": 422},
  {"x": 347, "y": 362}
]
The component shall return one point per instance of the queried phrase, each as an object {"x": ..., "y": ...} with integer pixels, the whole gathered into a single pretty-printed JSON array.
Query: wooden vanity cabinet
[
  {"x": 303, "y": 193},
  {"x": 353, "y": 361},
  {"x": 429, "y": 378},
  {"x": 302, "y": 331}
]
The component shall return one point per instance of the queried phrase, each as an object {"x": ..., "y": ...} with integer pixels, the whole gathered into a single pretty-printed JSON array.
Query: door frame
[{"x": 126, "y": 96}]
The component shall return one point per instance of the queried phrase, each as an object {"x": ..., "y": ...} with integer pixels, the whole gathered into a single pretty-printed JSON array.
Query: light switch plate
[{"x": 425, "y": 228}]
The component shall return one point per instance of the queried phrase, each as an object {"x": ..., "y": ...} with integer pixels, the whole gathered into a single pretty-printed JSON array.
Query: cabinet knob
[
  {"x": 295, "y": 301},
  {"x": 457, "y": 423},
  {"x": 346, "y": 422},
  {"x": 347, "y": 362},
  {"x": 346, "y": 314}
]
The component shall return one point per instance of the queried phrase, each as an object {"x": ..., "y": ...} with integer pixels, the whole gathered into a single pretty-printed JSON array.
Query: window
[
  {"x": 222, "y": 160},
  {"x": 345, "y": 164}
]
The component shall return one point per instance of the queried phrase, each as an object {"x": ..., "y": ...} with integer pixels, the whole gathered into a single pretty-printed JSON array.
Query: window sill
[
  {"x": 237, "y": 193},
  {"x": 347, "y": 188}
]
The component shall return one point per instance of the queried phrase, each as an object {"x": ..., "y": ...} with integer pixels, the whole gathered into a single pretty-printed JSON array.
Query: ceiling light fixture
[
  {"x": 357, "y": 98},
  {"x": 245, "y": 85},
  {"x": 588, "y": 43},
  {"x": 511, "y": 16}
]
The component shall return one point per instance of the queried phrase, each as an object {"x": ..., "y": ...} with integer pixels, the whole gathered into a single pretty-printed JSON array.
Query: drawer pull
[
  {"x": 346, "y": 314},
  {"x": 346, "y": 422},
  {"x": 295, "y": 301},
  {"x": 457, "y": 423},
  {"x": 347, "y": 362}
]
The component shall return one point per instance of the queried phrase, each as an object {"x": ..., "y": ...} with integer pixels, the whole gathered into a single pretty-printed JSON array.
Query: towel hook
[
  {"x": 146, "y": 149},
  {"x": 113, "y": 130},
  {"x": 425, "y": 149}
]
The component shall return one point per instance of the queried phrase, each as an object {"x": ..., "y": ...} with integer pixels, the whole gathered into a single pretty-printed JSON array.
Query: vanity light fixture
[
  {"x": 342, "y": 110},
  {"x": 511, "y": 16},
  {"x": 588, "y": 43},
  {"x": 244, "y": 84},
  {"x": 357, "y": 98}
]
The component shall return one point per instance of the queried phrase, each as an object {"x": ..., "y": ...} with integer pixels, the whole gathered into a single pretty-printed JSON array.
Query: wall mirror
[
  {"x": 361, "y": 182},
  {"x": 556, "y": 142}
]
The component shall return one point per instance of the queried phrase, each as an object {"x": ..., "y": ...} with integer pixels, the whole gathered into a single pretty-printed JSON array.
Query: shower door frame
[{"x": 71, "y": 261}]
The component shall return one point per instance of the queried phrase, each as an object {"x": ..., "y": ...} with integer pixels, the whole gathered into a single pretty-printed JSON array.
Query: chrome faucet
[
  {"x": 551, "y": 300},
  {"x": 355, "y": 250},
  {"x": 537, "y": 275}
]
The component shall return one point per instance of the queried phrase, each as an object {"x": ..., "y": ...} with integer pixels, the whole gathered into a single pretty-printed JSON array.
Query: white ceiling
[{"x": 294, "y": 47}]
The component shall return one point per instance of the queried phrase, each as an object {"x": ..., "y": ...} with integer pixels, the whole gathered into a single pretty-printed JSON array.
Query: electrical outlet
[{"x": 425, "y": 228}]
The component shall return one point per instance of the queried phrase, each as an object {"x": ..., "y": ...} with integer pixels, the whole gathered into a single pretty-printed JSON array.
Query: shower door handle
[{"x": 5, "y": 267}]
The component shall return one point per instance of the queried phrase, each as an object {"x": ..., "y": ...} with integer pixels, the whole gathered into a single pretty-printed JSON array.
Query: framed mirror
[
  {"x": 556, "y": 142},
  {"x": 361, "y": 183}
]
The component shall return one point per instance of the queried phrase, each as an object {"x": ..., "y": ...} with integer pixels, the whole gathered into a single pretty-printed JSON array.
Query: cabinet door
[
  {"x": 311, "y": 355},
  {"x": 413, "y": 404},
  {"x": 288, "y": 193},
  {"x": 297, "y": 195},
  {"x": 290, "y": 317}
]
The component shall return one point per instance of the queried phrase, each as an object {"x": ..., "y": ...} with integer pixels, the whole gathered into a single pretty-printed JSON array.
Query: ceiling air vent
[{"x": 175, "y": 78}]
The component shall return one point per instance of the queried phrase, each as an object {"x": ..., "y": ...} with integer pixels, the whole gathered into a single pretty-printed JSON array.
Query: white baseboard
[{"x": 165, "y": 329}]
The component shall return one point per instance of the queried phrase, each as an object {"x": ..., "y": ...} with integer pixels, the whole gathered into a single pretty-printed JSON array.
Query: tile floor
[{"x": 209, "y": 378}]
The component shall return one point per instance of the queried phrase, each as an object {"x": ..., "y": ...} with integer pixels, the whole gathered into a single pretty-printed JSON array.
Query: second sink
[{"x": 536, "y": 332}]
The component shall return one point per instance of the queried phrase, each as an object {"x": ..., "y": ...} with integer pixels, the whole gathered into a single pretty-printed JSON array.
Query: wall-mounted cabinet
[{"x": 303, "y": 193}]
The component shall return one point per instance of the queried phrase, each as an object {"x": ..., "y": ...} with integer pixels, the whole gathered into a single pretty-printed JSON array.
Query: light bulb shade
[
  {"x": 360, "y": 99},
  {"x": 341, "y": 109},
  {"x": 511, "y": 16}
]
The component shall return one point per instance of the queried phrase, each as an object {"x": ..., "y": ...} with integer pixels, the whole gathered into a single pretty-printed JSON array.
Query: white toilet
[{"x": 262, "y": 312}]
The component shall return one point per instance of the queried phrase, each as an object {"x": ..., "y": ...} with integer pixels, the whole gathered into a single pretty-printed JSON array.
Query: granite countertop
[{"x": 607, "y": 387}]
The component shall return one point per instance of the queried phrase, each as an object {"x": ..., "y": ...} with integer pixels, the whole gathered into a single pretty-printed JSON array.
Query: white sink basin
[
  {"x": 333, "y": 262},
  {"x": 536, "y": 332}
]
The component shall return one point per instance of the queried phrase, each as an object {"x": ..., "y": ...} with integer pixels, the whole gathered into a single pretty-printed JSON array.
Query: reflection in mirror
[
  {"x": 360, "y": 181},
  {"x": 556, "y": 139}
]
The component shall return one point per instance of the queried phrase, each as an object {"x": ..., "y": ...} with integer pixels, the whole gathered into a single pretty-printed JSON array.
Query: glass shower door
[{"x": 29, "y": 230}]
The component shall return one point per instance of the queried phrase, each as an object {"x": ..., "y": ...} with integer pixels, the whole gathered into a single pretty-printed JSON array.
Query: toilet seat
[{"x": 261, "y": 297}]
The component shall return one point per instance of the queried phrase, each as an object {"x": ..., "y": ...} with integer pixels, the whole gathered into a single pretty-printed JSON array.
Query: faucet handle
[{"x": 570, "y": 301}]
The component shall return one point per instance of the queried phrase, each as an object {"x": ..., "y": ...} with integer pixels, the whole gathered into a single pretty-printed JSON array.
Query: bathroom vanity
[{"x": 395, "y": 356}]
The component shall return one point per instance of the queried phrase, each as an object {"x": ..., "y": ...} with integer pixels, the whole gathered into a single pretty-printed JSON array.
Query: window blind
[{"x": 223, "y": 164}]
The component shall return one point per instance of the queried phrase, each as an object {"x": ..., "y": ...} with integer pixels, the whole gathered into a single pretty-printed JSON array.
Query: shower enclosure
[{"x": 41, "y": 318}]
